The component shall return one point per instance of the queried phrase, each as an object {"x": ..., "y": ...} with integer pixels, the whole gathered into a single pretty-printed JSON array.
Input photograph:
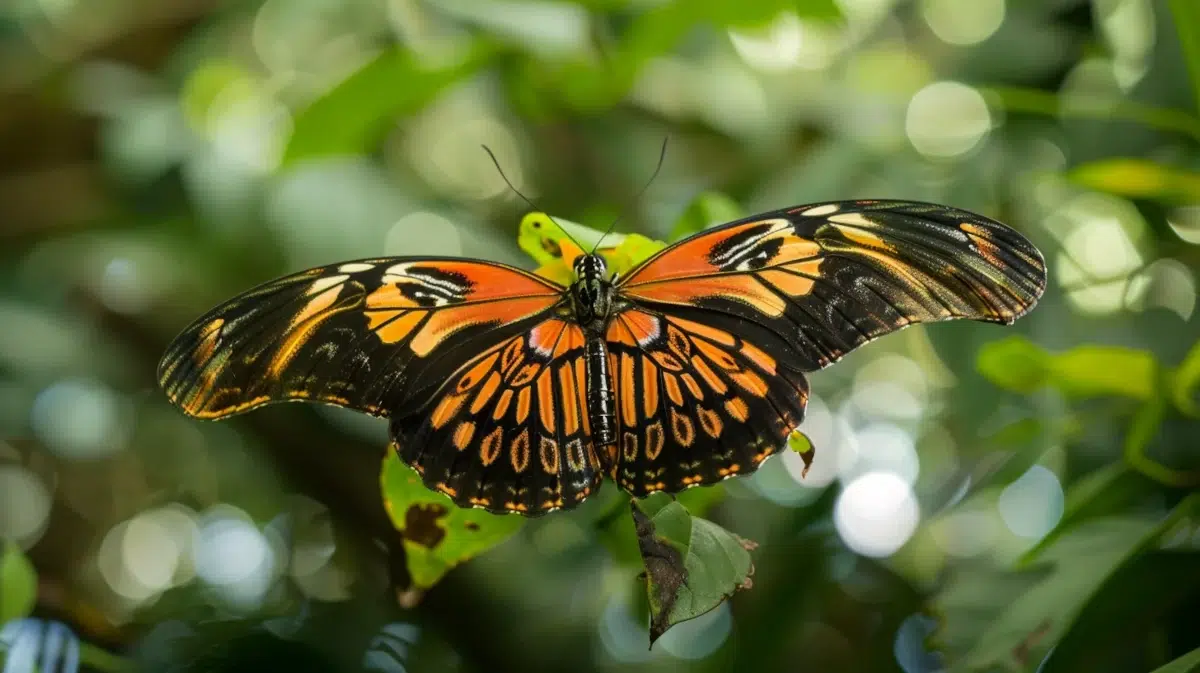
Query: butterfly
[{"x": 513, "y": 393}]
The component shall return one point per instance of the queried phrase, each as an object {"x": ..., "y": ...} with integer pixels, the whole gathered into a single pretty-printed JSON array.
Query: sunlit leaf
[
  {"x": 631, "y": 251},
  {"x": 1015, "y": 364},
  {"x": 803, "y": 446},
  {"x": 437, "y": 534},
  {"x": 553, "y": 242},
  {"x": 706, "y": 210},
  {"x": 1139, "y": 178},
  {"x": 1088, "y": 371},
  {"x": 1021, "y": 366},
  {"x": 210, "y": 83},
  {"x": 352, "y": 116},
  {"x": 991, "y": 618},
  {"x": 692, "y": 565},
  {"x": 18, "y": 583}
]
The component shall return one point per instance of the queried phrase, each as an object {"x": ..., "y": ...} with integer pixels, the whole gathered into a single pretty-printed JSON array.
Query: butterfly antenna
[
  {"x": 523, "y": 197},
  {"x": 661, "y": 155}
]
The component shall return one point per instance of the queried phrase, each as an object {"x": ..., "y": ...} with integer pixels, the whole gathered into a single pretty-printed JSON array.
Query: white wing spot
[
  {"x": 398, "y": 269},
  {"x": 821, "y": 210},
  {"x": 855, "y": 219},
  {"x": 355, "y": 267},
  {"x": 321, "y": 284}
]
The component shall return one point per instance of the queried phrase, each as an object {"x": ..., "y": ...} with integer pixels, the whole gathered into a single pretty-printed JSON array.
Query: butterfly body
[
  {"x": 513, "y": 393},
  {"x": 592, "y": 304}
]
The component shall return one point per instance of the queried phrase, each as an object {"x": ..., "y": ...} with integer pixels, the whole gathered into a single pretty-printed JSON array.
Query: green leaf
[
  {"x": 991, "y": 618},
  {"x": 554, "y": 242},
  {"x": 1021, "y": 366},
  {"x": 1139, "y": 178},
  {"x": 1104, "y": 108},
  {"x": 701, "y": 499},
  {"x": 1115, "y": 617},
  {"x": 1089, "y": 371},
  {"x": 352, "y": 116},
  {"x": 1187, "y": 23},
  {"x": 706, "y": 210},
  {"x": 1015, "y": 364},
  {"x": 632, "y": 250},
  {"x": 802, "y": 445},
  {"x": 437, "y": 534},
  {"x": 692, "y": 565},
  {"x": 18, "y": 583},
  {"x": 1185, "y": 381},
  {"x": 1188, "y": 663}
]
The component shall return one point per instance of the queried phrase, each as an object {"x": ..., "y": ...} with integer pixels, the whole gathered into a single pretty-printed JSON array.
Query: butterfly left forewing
[{"x": 371, "y": 335}]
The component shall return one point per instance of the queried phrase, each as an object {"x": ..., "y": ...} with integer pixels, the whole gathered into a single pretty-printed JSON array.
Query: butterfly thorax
[{"x": 591, "y": 294}]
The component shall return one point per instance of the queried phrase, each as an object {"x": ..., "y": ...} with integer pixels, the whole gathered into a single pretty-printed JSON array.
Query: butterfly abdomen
[{"x": 601, "y": 401}]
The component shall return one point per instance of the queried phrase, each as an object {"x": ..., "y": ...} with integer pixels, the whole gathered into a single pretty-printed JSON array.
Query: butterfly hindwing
[
  {"x": 830, "y": 277},
  {"x": 371, "y": 335},
  {"x": 699, "y": 399},
  {"x": 509, "y": 431}
]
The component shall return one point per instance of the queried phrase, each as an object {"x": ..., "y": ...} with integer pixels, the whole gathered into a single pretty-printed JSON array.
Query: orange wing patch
[
  {"x": 525, "y": 428},
  {"x": 696, "y": 403}
]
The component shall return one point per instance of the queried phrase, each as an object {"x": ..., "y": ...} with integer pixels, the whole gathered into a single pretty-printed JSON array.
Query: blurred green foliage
[
  {"x": 158, "y": 156},
  {"x": 18, "y": 583}
]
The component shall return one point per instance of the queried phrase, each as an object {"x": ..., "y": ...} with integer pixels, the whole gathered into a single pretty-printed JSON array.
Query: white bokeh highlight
[
  {"x": 876, "y": 514},
  {"x": 1032, "y": 505},
  {"x": 946, "y": 119}
]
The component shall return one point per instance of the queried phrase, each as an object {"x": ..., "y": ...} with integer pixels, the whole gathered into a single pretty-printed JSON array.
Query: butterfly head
[{"x": 590, "y": 266}]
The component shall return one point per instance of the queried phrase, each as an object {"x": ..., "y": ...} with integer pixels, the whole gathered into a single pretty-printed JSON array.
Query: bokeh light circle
[
  {"x": 946, "y": 120},
  {"x": 24, "y": 505},
  {"x": 876, "y": 514},
  {"x": 1032, "y": 505}
]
